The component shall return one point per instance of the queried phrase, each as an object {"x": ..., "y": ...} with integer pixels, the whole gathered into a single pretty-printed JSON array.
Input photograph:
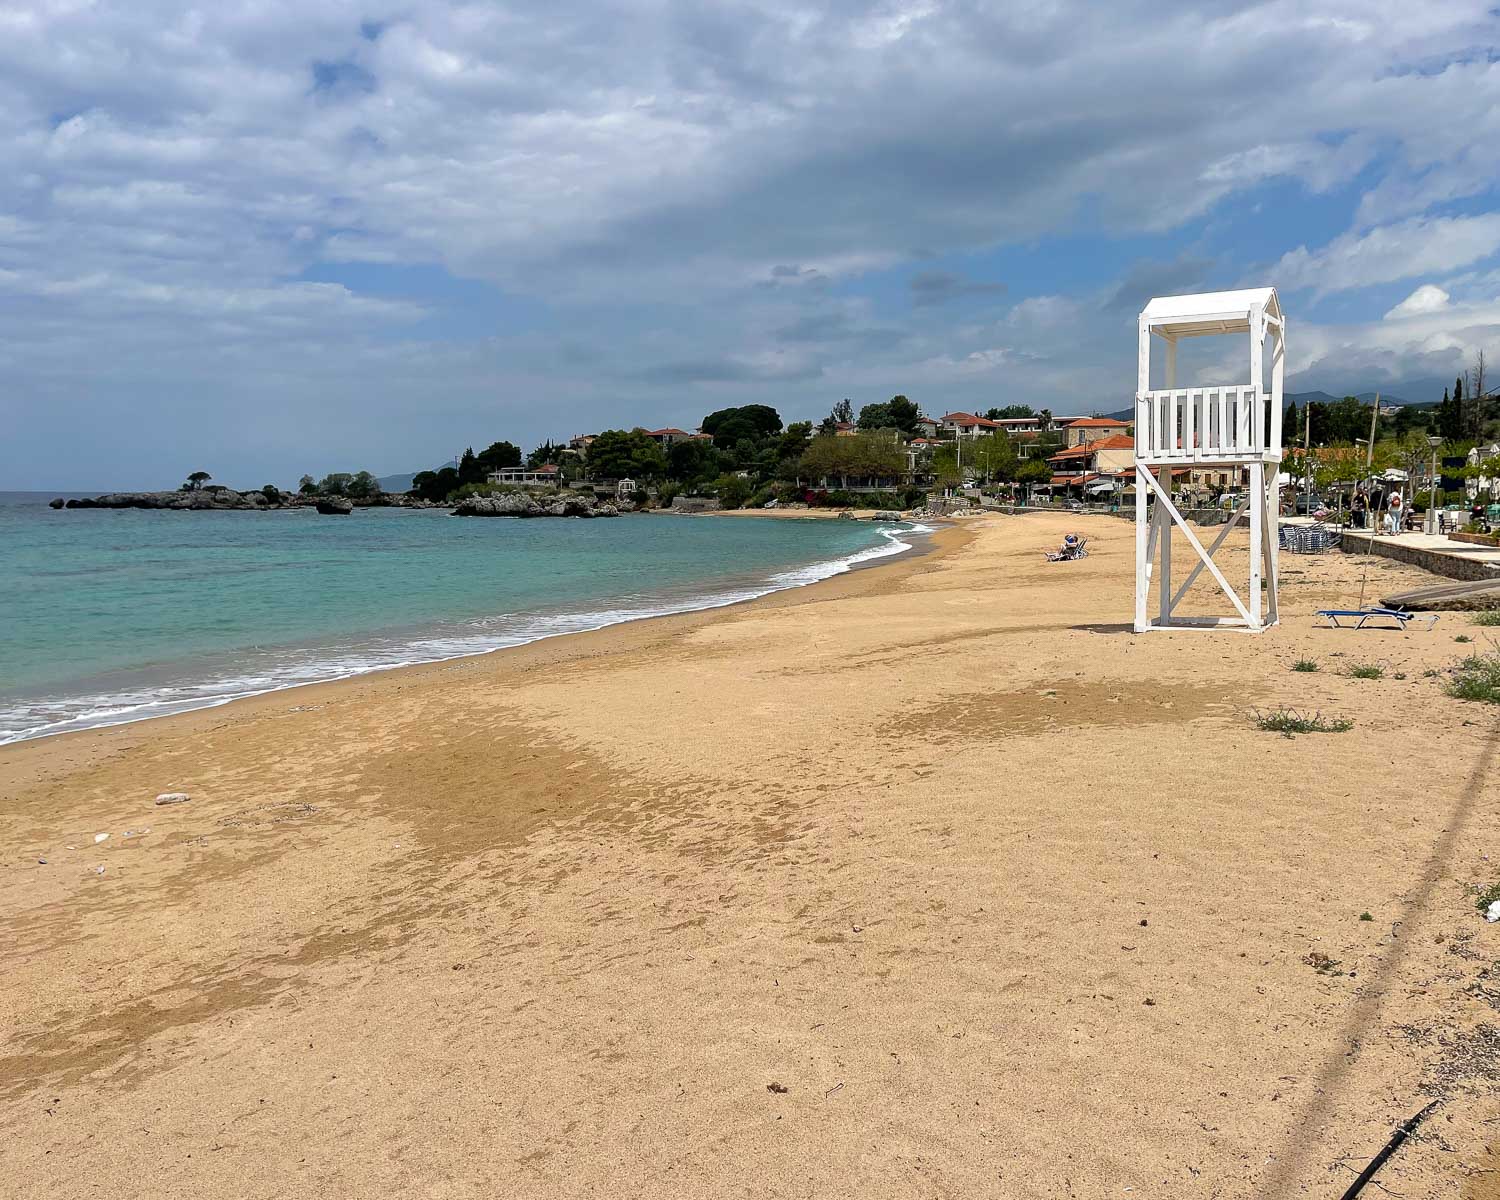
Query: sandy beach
[{"x": 929, "y": 880}]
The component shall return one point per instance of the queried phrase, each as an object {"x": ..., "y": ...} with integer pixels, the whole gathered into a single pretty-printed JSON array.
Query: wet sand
[{"x": 929, "y": 880}]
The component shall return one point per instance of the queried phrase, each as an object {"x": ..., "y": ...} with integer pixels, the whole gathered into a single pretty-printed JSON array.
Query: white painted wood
[
  {"x": 1142, "y": 554},
  {"x": 1224, "y": 531},
  {"x": 1270, "y": 547},
  {"x": 1213, "y": 567},
  {"x": 1257, "y": 519},
  {"x": 1237, "y": 424},
  {"x": 1164, "y": 540}
]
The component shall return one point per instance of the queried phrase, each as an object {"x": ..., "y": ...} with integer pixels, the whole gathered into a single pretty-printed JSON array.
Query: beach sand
[{"x": 930, "y": 880}]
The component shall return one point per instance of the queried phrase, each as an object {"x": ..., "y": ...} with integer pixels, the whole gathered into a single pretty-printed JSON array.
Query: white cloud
[
  {"x": 170, "y": 175},
  {"x": 1421, "y": 246},
  {"x": 1429, "y": 298}
]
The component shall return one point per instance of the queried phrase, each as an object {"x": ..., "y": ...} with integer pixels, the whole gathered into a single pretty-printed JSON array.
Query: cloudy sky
[{"x": 262, "y": 238}]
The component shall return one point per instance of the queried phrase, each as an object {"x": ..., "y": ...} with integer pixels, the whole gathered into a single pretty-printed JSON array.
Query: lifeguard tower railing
[{"x": 1207, "y": 425}]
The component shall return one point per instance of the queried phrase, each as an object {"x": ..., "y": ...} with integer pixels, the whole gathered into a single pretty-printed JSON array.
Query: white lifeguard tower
[{"x": 1231, "y": 425}]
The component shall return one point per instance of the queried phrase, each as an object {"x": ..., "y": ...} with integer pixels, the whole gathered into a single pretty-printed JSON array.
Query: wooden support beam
[
  {"x": 1270, "y": 547},
  {"x": 1142, "y": 554},
  {"x": 1213, "y": 568},
  {"x": 1164, "y": 545},
  {"x": 1257, "y": 542},
  {"x": 1197, "y": 570}
]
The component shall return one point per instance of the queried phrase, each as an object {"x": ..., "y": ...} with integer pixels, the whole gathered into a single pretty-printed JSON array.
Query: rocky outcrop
[
  {"x": 518, "y": 504},
  {"x": 695, "y": 504},
  {"x": 204, "y": 500},
  {"x": 335, "y": 506}
]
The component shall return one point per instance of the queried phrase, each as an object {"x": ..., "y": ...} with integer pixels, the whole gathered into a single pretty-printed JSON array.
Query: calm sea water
[{"x": 112, "y": 616}]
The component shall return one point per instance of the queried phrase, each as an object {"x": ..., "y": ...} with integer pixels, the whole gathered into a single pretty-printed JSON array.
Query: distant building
[
  {"x": 1487, "y": 485},
  {"x": 1016, "y": 425},
  {"x": 546, "y": 475},
  {"x": 1080, "y": 430},
  {"x": 581, "y": 443},
  {"x": 968, "y": 425},
  {"x": 667, "y": 438}
]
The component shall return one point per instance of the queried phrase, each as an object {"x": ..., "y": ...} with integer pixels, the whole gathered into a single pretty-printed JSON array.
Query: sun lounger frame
[{"x": 1361, "y": 615}]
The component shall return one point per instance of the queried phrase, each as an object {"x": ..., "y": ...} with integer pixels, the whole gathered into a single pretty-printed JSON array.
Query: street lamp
[{"x": 1432, "y": 513}]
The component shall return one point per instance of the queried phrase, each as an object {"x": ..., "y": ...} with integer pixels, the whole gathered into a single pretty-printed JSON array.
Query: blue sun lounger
[{"x": 1337, "y": 616}]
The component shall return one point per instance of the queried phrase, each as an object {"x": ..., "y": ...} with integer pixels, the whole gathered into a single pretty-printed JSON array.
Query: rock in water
[
  {"x": 173, "y": 798},
  {"x": 335, "y": 506},
  {"x": 58, "y": 503},
  {"x": 516, "y": 504}
]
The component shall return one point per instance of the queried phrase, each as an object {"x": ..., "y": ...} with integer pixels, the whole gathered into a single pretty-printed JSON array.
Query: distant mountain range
[{"x": 396, "y": 483}]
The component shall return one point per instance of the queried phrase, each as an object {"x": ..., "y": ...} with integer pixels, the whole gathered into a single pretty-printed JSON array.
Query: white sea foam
[{"x": 276, "y": 670}]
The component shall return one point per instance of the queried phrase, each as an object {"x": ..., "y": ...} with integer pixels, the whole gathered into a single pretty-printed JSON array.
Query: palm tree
[{"x": 1045, "y": 417}]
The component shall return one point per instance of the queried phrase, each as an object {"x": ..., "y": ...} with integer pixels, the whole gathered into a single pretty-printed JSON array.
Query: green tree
[
  {"x": 875, "y": 416},
  {"x": 732, "y": 490},
  {"x": 548, "y": 452},
  {"x": 498, "y": 455},
  {"x": 1010, "y": 412},
  {"x": 197, "y": 479},
  {"x": 1034, "y": 470},
  {"x": 469, "y": 470},
  {"x": 1450, "y": 422},
  {"x": 626, "y": 454},
  {"x": 842, "y": 414},
  {"x": 867, "y": 454},
  {"x": 333, "y": 483},
  {"x": 793, "y": 441},
  {"x": 896, "y": 413},
  {"x": 435, "y": 485},
  {"x": 272, "y": 493},
  {"x": 761, "y": 420},
  {"x": 992, "y": 457},
  {"x": 362, "y": 486},
  {"x": 307, "y": 485},
  {"x": 694, "y": 462}
]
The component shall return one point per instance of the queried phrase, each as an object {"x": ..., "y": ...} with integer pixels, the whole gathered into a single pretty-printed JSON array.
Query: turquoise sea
[{"x": 109, "y": 616}]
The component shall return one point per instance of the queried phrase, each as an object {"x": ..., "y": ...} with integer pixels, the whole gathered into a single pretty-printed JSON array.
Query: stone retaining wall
[{"x": 1453, "y": 566}]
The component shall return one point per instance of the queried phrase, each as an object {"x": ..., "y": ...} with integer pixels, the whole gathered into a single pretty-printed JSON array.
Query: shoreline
[
  {"x": 941, "y": 538},
  {"x": 903, "y": 544}
]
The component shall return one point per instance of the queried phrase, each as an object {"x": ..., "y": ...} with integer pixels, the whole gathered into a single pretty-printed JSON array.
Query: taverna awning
[{"x": 1174, "y": 317}]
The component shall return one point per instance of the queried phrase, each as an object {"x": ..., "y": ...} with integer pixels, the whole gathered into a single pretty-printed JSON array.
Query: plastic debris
[
  {"x": 100, "y": 837},
  {"x": 173, "y": 798},
  {"x": 1493, "y": 912}
]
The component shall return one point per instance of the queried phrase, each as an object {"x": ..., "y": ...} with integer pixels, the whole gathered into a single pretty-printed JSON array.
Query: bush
[
  {"x": 1367, "y": 671},
  {"x": 1491, "y": 617},
  {"x": 914, "y": 497},
  {"x": 841, "y": 499},
  {"x": 1477, "y": 678},
  {"x": 1305, "y": 665},
  {"x": 1287, "y": 722},
  {"x": 732, "y": 490}
]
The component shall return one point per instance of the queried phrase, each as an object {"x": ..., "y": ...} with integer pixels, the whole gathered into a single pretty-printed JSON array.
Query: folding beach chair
[{"x": 1337, "y": 616}]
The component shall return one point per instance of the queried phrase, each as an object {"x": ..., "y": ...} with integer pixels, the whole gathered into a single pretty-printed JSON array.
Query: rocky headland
[
  {"x": 516, "y": 504},
  {"x": 229, "y": 500}
]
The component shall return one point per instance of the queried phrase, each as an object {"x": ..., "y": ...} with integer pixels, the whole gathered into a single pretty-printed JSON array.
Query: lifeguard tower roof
[{"x": 1209, "y": 312}]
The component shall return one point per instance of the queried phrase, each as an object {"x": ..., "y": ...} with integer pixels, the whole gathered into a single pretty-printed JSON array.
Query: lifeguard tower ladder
[{"x": 1236, "y": 425}]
